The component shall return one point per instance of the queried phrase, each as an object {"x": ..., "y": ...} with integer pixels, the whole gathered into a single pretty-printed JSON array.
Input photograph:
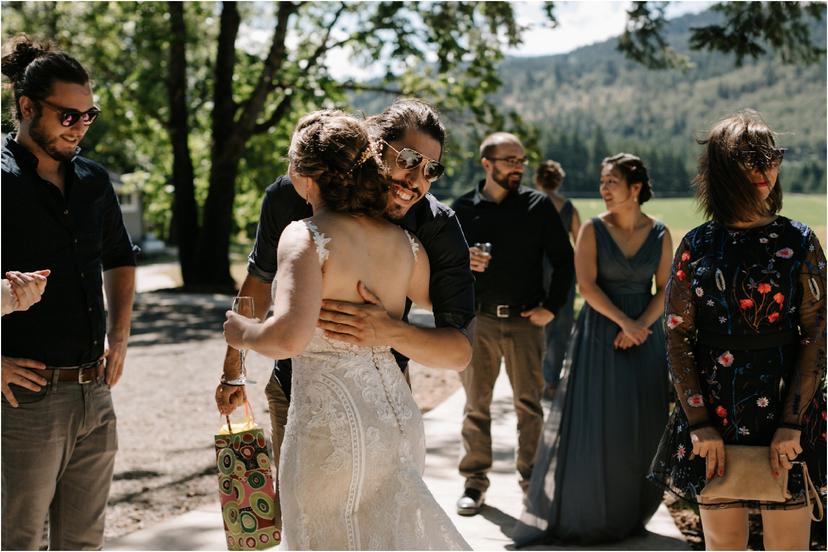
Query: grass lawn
[{"x": 680, "y": 213}]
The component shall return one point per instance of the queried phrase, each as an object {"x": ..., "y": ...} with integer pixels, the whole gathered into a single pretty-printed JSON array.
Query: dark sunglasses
[
  {"x": 765, "y": 158},
  {"x": 69, "y": 116},
  {"x": 409, "y": 159}
]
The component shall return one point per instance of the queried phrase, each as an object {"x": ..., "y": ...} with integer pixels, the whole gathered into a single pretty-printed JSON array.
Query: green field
[{"x": 680, "y": 213}]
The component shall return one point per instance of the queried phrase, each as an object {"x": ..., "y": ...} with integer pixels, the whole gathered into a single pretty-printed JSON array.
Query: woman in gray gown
[{"x": 589, "y": 481}]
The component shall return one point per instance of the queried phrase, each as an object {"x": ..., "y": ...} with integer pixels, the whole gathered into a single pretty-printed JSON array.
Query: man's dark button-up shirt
[
  {"x": 523, "y": 228},
  {"x": 75, "y": 235},
  {"x": 435, "y": 225}
]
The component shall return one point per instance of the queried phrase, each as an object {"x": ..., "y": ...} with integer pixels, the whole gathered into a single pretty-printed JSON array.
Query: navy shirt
[
  {"x": 523, "y": 229},
  {"x": 435, "y": 225},
  {"x": 75, "y": 235}
]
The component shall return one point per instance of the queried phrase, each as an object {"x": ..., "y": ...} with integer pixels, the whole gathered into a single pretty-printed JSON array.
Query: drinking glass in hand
[
  {"x": 481, "y": 255},
  {"x": 243, "y": 305}
]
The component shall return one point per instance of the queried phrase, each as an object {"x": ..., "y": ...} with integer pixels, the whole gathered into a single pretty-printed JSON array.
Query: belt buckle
[
  {"x": 502, "y": 311},
  {"x": 83, "y": 379}
]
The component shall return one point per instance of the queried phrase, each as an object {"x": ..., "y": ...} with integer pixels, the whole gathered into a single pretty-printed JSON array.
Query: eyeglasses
[
  {"x": 512, "y": 161},
  {"x": 409, "y": 159},
  {"x": 68, "y": 116},
  {"x": 766, "y": 158}
]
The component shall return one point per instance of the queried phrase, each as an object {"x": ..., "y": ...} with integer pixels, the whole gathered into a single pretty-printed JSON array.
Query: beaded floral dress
[
  {"x": 350, "y": 474},
  {"x": 745, "y": 313}
]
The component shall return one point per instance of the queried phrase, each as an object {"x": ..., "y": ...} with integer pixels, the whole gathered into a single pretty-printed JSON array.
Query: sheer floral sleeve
[
  {"x": 810, "y": 369},
  {"x": 680, "y": 313}
]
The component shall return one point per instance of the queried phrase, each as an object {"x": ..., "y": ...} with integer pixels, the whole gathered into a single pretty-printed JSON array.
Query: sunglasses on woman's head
[
  {"x": 409, "y": 159},
  {"x": 761, "y": 158},
  {"x": 68, "y": 116}
]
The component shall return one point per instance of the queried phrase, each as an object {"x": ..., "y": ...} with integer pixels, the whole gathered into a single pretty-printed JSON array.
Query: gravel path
[{"x": 167, "y": 416}]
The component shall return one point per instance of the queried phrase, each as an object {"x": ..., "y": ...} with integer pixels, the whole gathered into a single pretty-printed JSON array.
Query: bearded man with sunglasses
[
  {"x": 411, "y": 137},
  {"x": 59, "y": 212}
]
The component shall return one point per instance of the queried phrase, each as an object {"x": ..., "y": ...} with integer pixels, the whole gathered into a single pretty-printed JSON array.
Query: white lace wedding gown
[{"x": 352, "y": 459}]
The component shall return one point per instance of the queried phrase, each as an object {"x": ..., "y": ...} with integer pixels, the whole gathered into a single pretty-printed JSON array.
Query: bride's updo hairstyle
[
  {"x": 334, "y": 149},
  {"x": 633, "y": 170},
  {"x": 32, "y": 67}
]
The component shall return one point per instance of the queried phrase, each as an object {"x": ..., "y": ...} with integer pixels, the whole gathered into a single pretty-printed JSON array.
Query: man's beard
[
  {"x": 48, "y": 144},
  {"x": 505, "y": 182}
]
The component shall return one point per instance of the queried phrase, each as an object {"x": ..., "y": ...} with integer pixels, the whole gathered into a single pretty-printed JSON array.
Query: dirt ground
[{"x": 167, "y": 416}]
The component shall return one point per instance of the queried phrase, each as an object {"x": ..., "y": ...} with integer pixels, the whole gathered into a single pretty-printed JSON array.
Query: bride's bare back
[
  {"x": 325, "y": 257},
  {"x": 375, "y": 252}
]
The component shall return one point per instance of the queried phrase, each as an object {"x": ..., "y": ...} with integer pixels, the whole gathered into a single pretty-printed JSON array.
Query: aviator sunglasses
[
  {"x": 409, "y": 159},
  {"x": 765, "y": 158},
  {"x": 68, "y": 116}
]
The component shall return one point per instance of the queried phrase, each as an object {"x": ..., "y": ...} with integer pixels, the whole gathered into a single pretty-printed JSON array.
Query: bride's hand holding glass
[{"x": 234, "y": 327}]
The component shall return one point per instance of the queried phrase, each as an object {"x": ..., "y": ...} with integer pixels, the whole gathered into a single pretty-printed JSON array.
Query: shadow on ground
[{"x": 165, "y": 318}]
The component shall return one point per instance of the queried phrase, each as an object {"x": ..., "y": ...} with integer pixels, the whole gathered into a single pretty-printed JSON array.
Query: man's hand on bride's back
[{"x": 364, "y": 324}]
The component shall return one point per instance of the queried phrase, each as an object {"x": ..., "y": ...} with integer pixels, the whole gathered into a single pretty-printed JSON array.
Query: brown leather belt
[{"x": 82, "y": 373}]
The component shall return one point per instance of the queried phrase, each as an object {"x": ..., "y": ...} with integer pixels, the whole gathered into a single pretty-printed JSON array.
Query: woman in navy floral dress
[{"x": 745, "y": 314}]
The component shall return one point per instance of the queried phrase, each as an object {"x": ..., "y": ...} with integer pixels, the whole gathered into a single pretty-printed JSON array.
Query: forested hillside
[{"x": 581, "y": 106}]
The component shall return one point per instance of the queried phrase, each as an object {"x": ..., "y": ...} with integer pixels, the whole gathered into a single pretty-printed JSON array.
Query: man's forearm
[
  {"x": 259, "y": 290},
  {"x": 445, "y": 348},
  {"x": 119, "y": 286}
]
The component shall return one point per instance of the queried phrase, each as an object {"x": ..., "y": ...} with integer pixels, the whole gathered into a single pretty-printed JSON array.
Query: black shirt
[
  {"x": 75, "y": 235},
  {"x": 435, "y": 225},
  {"x": 522, "y": 228}
]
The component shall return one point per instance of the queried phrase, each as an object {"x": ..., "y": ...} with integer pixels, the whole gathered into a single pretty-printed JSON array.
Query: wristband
[{"x": 235, "y": 382}]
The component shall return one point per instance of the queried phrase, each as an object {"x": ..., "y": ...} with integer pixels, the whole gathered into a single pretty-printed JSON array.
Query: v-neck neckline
[{"x": 618, "y": 247}]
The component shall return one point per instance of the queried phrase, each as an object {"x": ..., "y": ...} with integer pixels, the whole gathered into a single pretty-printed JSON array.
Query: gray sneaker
[{"x": 469, "y": 504}]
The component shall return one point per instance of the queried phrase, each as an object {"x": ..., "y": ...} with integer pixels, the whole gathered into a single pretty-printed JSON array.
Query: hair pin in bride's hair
[{"x": 366, "y": 153}]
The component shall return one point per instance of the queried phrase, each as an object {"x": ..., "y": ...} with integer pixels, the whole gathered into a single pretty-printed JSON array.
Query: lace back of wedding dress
[{"x": 354, "y": 451}]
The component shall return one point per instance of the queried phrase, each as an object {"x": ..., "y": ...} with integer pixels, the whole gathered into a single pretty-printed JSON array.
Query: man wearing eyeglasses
[
  {"x": 519, "y": 227},
  {"x": 59, "y": 212},
  {"x": 411, "y": 137}
]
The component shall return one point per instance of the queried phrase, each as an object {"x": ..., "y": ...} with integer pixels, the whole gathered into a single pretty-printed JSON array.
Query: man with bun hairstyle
[
  {"x": 410, "y": 138},
  {"x": 61, "y": 356}
]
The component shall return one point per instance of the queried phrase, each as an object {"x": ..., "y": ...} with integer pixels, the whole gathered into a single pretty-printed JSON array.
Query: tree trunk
[
  {"x": 185, "y": 211},
  {"x": 230, "y": 134},
  {"x": 213, "y": 254},
  {"x": 213, "y": 263}
]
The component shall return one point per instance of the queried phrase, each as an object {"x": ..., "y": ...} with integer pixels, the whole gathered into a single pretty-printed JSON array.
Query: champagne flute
[{"x": 244, "y": 306}]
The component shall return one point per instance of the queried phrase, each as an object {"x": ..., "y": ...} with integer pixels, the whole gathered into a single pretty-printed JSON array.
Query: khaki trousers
[
  {"x": 58, "y": 456},
  {"x": 278, "y": 405},
  {"x": 521, "y": 344}
]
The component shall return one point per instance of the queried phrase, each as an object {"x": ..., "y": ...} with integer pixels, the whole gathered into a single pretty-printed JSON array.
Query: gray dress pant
[{"x": 58, "y": 456}]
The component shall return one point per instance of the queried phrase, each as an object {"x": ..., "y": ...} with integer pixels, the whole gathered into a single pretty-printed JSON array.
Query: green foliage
[
  {"x": 749, "y": 30},
  {"x": 785, "y": 26},
  {"x": 643, "y": 39}
]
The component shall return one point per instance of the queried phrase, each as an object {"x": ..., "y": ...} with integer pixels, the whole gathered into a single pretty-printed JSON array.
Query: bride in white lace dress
[{"x": 352, "y": 459}]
